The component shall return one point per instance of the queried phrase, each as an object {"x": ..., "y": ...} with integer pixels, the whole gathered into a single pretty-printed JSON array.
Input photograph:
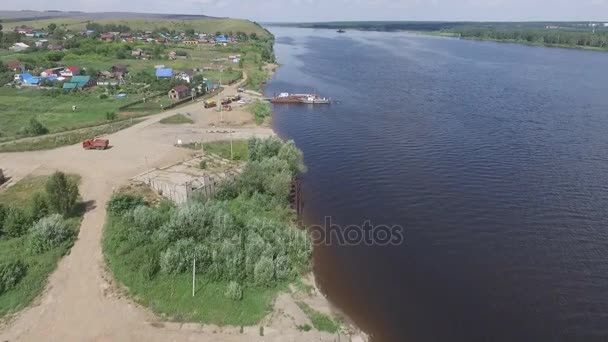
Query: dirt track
[{"x": 80, "y": 302}]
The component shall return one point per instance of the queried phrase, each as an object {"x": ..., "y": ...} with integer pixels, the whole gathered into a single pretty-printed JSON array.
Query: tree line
[{"x": 549, "y": 37}]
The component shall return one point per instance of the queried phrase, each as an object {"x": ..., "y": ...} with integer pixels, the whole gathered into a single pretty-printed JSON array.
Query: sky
[{"x": 335, "y": 10}]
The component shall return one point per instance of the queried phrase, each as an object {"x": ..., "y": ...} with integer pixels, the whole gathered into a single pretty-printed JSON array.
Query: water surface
[{"x": 493, "y": 157}]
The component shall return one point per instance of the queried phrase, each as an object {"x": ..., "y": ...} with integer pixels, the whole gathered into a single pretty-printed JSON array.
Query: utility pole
[
  {"x": 231, "y": 154},
  {"x": 221, "y": 105},
  {"x": 193, "y": 276}
]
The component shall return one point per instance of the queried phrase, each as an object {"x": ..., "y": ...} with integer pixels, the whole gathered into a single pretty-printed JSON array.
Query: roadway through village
[{"x": 81, "y": 302}]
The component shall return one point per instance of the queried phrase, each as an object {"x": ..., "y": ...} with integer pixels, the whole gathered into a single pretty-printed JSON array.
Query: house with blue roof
[
  {"x": 221, "y": 39},
  {"x": 164, "y": 73},
  {"x": 28, "y": 79}
]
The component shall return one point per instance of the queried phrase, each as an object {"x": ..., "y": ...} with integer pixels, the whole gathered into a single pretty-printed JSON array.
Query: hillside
[{"x": 138, "y": 21}]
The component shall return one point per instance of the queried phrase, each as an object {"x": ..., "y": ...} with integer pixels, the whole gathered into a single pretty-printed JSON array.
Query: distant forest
[{"x": 566, "y": 34}]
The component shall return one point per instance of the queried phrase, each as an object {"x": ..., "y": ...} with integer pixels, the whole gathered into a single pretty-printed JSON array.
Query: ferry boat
[
  {"x": 313, "y": 99},
  {"x": 289, "y": 98},
  {"x": 341, "y": 31}
]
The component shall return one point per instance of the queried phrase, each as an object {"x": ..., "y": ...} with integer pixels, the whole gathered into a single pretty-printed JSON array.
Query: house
[
  {"x": 70, "y": 71},
  {"x": 39, "y": 34},
  {"x": 19, "y": 47},
  {"x": 78, "y": 82},
  {"x": 105, "y": 78},
  {"x": 186, "y": 75},
  {"x": 106, "y": 37},
  {"x": 14, "y": 65},
  {"x": 24, "y": 30},
  {"x": 179, "y": 92},
  {"x": 162, "y": 40},
  {"x": 119, "y": 70},
  {"x": 125, "y": 35},
  {"x": 221, "y": 39},
  {"x": 190, "y": 42},
  {"x": 137, "y": 52},
  {"x": 164, "y": 73},
  {"x": 42, "y": 43},
  {"x": 55, "y": 47},
  {"x": 29, "y": 80}
]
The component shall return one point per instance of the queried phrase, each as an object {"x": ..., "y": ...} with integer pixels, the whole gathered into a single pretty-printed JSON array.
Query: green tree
[
  {"x": 51, "y": 28},
  {"x": 39, "y": 206},
  {"x": 16, "y": 223},
  {"x": 62, "y": 193}
]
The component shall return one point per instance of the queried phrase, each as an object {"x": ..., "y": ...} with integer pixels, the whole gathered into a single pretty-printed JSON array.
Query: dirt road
[{"x": 80, "y": 302}]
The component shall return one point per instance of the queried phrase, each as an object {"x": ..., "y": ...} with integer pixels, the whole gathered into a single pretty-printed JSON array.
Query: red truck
[{"x": 95, "y": 144}]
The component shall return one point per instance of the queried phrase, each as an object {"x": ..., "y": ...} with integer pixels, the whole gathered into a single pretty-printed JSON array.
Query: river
[{"x": 493, "y": 158}]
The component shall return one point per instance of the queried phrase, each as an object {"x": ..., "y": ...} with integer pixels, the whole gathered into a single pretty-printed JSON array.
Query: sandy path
[{"x": 80, "y": 304}]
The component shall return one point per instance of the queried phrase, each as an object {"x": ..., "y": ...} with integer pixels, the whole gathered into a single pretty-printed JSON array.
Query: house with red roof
[
  {"x": 179, "y": 92},
  {"x": 14, "y": 65},
  {"x": 107, "y": 37},
  {"x": 70, "y": 71}
]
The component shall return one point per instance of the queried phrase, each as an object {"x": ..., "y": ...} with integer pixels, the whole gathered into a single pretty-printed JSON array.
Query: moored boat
[
  {"x": 289, "y": 98},
  {"x": 313, "y": 99}
]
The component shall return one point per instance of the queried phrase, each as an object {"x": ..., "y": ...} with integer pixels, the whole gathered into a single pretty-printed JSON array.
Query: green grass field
[
  {"x": 222, "y": 149},
  {"x": 320, "y": 321},
  {"x": 18, "y": 106},
  {"x": 39, "y": 265},
  {"x": 177, "y": 119}
]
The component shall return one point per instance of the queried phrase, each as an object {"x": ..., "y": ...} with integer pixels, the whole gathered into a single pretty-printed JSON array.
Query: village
[{"x": 108, "y": 73}]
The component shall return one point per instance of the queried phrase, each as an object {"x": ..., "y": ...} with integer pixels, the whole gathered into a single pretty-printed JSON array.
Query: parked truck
[
  {"x": 210, "y": 104},
  {"x": 95, "y": 144}
]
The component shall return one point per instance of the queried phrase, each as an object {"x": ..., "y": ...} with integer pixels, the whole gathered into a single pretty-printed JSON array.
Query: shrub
[
  {"x": 62, "y": 193},
  {"x": 187, "y": 221},
  {"x": 103, "y": 97},
  {"x": 49, "y": 233},
  {"x": 146, "y": 218},
  {"x": 36, "y": 128},
  {"x": 151, "y": 267},
  {"x": 179, "y": 257},
  {"x": 293, "y": 156},
  {"x": 39, "y": 206},
  {"x": 261, "y": 110},
  {"x": 263, "y": 272},
  {"x": 111, "y": 115},
  {"x": 282, "y": 268},
  {"x": 264, "y": 148},
  {"x": 10, "y": 275},
  {"x": 3, "y": 213},
  {"x": 122, "y": 203},
  {"x": 16, "y": 223},
  {"x": 234, "y": 291},
  {"x": 203, "y": 165},
  {"x": 227, "y": 190}
]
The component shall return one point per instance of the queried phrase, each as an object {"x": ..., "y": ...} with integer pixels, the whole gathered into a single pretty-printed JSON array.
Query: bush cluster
[
  {"x": 10, "y": 275},
  {"x": 122, "y": 203},
  {"x": 46, "y": 212},
  {"x": 49, "y": 233},
  {"x": 244, "y": 238}
]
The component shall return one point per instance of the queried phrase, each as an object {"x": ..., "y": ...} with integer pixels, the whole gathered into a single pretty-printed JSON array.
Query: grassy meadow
[
  {"x": 18, "y": 106},
  {"x": 39, "y": 265},
  {"x": 209, "y": 25}
]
